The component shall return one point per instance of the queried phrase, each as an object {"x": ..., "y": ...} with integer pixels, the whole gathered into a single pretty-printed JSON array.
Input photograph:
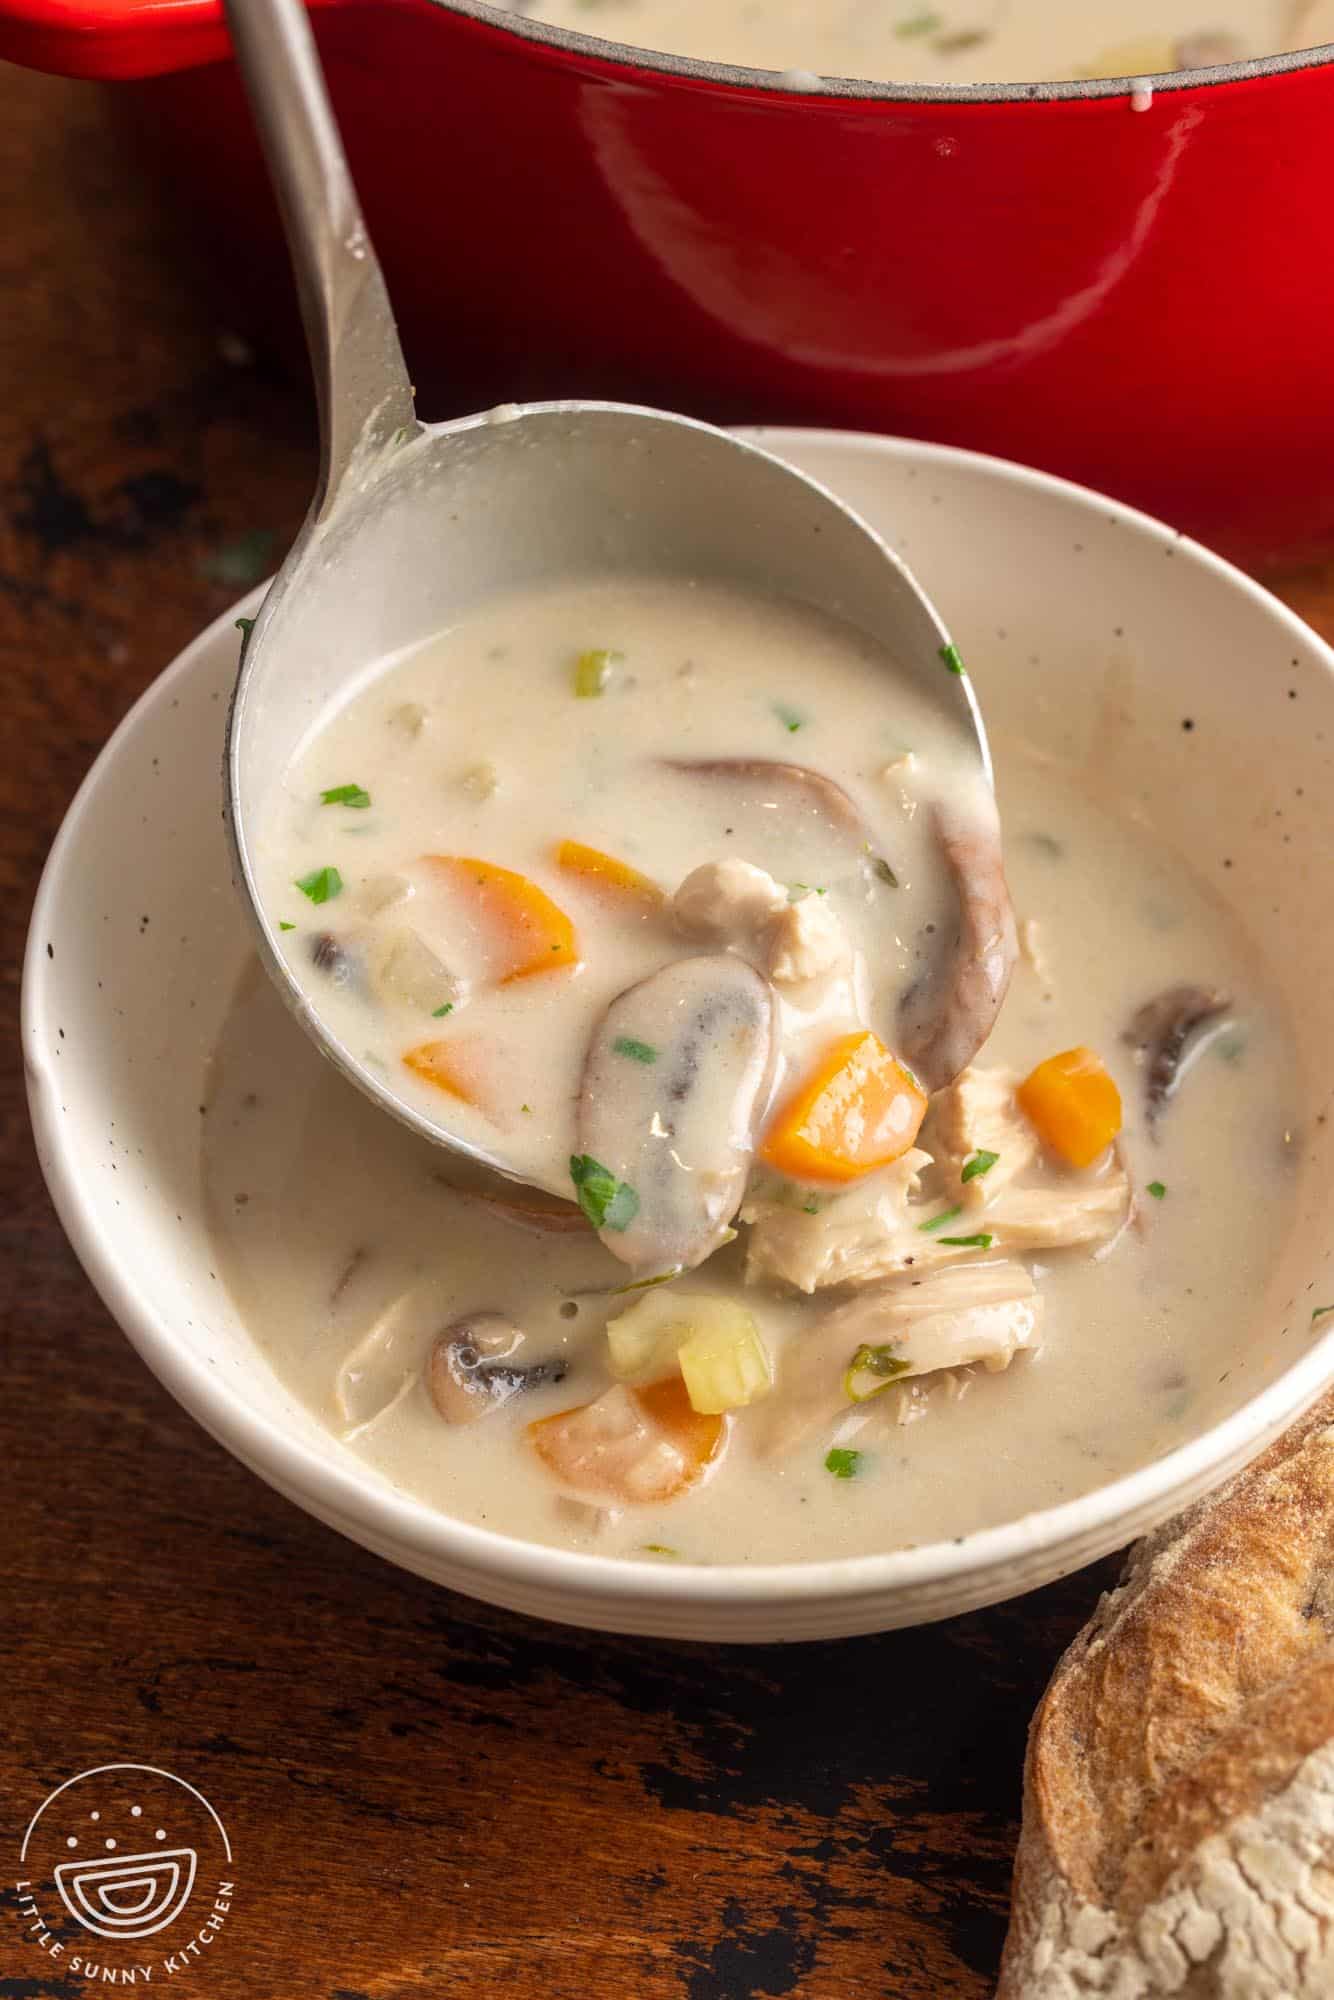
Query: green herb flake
[
  {"x": 321, "y": 885},
  {"x": 284, "y": 926},
  {"x": 607, "y": 1202},
  {"x": 438, "y": 1013},
  {"x": 660, "y": 1549},
  {"x": 789, "y": 717},
  {"x": 811, "y": 1207},
  {"x": 640, "y": 1052},
  {"x": 797, "y": 892},
  {"x": 918, "y": 24},
  {"x": 844, "y": 1464},
  {"x": 981, "y": 1163},
  {"x": 1320, "y": 1313},
  {"x": 953, "y": 658},
  {"x": 527, "y": 1110},
  {"x": 592, "y": 671},
  {"x": 880, "y": 1362},
  {"x": 886, "y": 874},
  {"x": 979, "y": 1242},
  {"x": 938, "y": 1221},
  {"x": 1157, "y": 1189},
  {"x": 346, "y": 795},
  {"x": 245, "y": 626}
]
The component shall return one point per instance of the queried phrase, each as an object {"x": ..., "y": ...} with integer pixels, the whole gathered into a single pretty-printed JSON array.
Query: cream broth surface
[
  {"x": 956, "y": 41},
  {"x": 477, "y": 748},
  {"x": 346, "y": 1252}
]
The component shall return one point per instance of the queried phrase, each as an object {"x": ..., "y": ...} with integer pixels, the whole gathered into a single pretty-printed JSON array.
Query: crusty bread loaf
[{"x": 1178, "y": 1833}]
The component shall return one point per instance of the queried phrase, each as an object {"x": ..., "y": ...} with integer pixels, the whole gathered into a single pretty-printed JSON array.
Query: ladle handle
[{"x": 361, "y": 381}]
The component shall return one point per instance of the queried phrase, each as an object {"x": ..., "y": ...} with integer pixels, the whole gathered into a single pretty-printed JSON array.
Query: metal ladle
[{"x": 414, "y": 524}]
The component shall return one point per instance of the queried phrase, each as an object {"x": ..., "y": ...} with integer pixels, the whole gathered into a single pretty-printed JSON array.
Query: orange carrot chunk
[
  {"x": 644, "y": 1444},
  {"x": 451, "y": 1067},
  {"x": 614, "y": 879},
  {"x": 533, "y": 933},
  {"x": 859, "y": 1109},
  {"x": 1073, "y": 1105}
]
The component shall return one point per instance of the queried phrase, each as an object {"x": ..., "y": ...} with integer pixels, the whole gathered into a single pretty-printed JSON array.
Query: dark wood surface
[{"x": 426, "y": 1797}]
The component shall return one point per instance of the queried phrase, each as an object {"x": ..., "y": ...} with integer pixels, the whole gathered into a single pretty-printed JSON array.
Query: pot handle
[{"x": 113, "y": 39}]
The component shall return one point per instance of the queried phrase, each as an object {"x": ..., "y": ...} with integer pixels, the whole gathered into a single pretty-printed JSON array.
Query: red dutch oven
[{"x": 1133, "y": 288}]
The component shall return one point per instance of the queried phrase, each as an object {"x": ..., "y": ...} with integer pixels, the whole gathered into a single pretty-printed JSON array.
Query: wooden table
[{"x": 426, "y": 1797}]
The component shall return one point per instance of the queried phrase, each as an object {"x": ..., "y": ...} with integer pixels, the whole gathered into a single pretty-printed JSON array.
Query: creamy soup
[
  {"x": 955, "y": 41},
  {"x": 835, "y": 1277}
]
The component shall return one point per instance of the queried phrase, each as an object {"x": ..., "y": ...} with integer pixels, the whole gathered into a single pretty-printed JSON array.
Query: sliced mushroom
[
  {"x": 471, "y": 1369},
  {"x": 677, "y": 1128},
  {"x": 1167, "y": 1034},
  {"x": 331, "y": 955},
  {"x": 803, "y": 794},
  {"x": 946, "y": 1016}
]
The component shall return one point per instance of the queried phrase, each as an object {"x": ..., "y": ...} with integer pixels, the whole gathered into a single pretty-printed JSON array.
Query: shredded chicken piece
[
  {"x": 973, "y": 1313},
  {"x": 733, "y": 902},
  {"x": 861, "y": 1234},
  {"x": 977, "y": 1113},
  {"x": 1066, "y": 1215},
  {"x": 727, "y": 900},
  {"x": 807, "y": 941}
]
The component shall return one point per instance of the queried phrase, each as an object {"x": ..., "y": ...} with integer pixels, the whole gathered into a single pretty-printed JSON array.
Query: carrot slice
[
  {"x": 631, "y": 1444},
  {"x": 534, "y": 934},
  {"x": 450, "y": 1067},
  {"x": 1073, "y": 1104},
  {"x": 859, "y": 1109},
  {"x": 617, "y": 880}
]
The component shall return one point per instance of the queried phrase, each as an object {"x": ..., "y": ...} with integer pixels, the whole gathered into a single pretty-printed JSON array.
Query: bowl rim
[
  {"x": 343, "y": 1488},
  {"x": 813, "y": 89}
]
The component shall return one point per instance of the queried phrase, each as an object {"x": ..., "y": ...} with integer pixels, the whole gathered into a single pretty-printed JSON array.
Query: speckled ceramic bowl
[{"x": 137, "y": 938}]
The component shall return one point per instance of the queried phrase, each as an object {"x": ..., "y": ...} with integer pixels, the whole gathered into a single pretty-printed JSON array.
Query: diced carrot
[
  {"x": 603, "y": 872},
  {"x": 534, "y": 934},
  {"x": 859, "y": 1109},
  {"x": 631, "y": 1444},
  {"x": 452, "y": 1066},
  {"x": 1073, "y": 1105}
]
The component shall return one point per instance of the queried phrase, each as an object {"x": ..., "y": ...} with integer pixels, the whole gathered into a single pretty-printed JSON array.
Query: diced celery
[
  {"x": 649, "y": 1332},
  {"x": 725, "y": 1364},
  {"x": 592, "y": 671},
  {"x": 723, "y": 1360}
]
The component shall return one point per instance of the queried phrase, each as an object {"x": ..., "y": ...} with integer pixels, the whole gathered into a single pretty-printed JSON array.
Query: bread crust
[{"x": 1178, "y": 1832}]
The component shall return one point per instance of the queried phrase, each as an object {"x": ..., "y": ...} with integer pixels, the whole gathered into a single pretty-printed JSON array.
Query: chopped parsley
[
  {"x": 659, "y": 1549},
  {"x": 527, "y": 1109},
  {"x": 607, "y": 1202},
  {"x": 979, "y": 1242},
  {"x": 245, "y": 626},
  {"x": 321, "y": 885},
  {"x": 355, "y": 796},
  {"x": 789, "y": 717},
  {"x": 844, "y": 1464},
  {"x": 797, "y": 892},
  {"x": 953, "y": 658},
  {"x": 938, "y": 1221},
  {"x": 640, "y": 1052},
  {"x": 811, "y": 1207},
  {"x": 1320, "y": 1313},
  {"x": 885, "y": 872},
  {"x": 1157, "y": 1189},
  {"x": 592, "y": 671},
  {"x": 437, "y": 1013},
  {"x": 881, "y": 1362},
  {"x": 285, "y": 926},
  {"x": 981, "y": 1163}
]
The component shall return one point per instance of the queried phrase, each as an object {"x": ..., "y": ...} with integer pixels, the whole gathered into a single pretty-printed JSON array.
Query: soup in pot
[{"x": 955, "y": 41}]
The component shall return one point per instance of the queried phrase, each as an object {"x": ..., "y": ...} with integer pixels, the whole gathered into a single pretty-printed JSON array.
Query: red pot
[{"x": 1140, "y": 298}]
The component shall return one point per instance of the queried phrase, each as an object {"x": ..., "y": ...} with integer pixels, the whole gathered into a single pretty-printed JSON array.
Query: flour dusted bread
[{"x": 1178, "y": 1833}]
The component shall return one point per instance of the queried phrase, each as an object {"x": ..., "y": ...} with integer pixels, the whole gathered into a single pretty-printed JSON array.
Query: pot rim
[{"x": 810, "y": 88}]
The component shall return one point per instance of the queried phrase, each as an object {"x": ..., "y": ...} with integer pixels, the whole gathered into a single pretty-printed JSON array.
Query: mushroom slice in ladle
[
  {"x": 946, "y": 1016},
  {"x": 676, "y": 1079}
]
